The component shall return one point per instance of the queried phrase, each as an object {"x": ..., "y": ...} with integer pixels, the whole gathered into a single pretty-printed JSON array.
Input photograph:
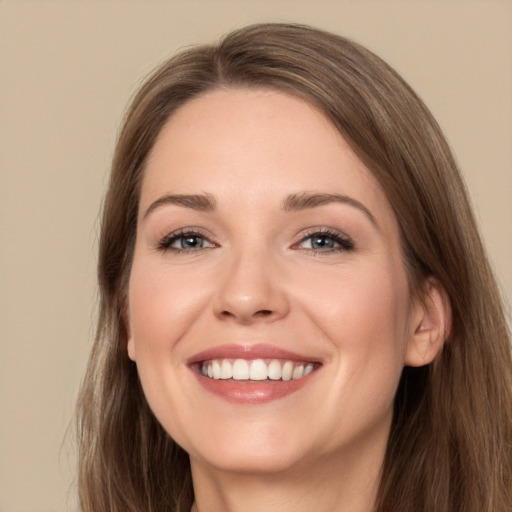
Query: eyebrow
[
  {"x": 306, "y": 200},
  {"x": 294, "y": 202},
  {"x": 201, "y": 202}
]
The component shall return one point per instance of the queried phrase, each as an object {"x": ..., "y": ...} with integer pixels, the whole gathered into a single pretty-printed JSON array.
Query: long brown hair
[{"x": 450, "y": 447}]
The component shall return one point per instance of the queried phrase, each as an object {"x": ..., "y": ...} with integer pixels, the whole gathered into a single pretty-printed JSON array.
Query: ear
[
  {"x": 430, "y": 324},
  {"x": 130, "y": 346}
]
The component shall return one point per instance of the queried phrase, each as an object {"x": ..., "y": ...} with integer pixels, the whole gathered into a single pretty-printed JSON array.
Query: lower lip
[{"x": 244, "y": 392}]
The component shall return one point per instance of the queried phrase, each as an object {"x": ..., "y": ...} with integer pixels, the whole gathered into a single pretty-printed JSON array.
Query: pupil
[
  {"x": 322, "y": 241},
  {"x": 190, "y": 241}
]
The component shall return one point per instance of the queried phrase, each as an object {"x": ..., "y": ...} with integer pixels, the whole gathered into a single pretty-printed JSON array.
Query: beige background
[{"x": 67, "y": 71}]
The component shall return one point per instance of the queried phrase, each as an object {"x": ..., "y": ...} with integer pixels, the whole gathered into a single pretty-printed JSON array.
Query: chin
[
  {"x": 268, "y": 460},
  {"x": 258, "y": 448}
]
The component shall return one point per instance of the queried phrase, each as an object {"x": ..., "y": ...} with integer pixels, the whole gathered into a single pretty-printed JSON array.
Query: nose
[{"x": 251, "y": 290}]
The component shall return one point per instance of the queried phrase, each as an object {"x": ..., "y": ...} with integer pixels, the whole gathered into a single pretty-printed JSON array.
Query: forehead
[{"x": 256, "y": 143}]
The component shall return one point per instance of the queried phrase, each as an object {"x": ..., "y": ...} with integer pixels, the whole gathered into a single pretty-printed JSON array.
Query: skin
[{"x": 257, "y": 279}]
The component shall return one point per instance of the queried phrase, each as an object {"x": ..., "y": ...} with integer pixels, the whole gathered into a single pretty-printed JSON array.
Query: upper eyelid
[
  {"x": 189, "y": 230},
  {"x": 323, "y": 231}
]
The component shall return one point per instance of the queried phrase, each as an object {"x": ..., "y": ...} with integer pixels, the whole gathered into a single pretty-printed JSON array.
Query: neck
[{"x": 338, "y": 483}]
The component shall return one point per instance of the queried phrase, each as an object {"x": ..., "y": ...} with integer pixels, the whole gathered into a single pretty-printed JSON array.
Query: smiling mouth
[
  {"x": 250, "y": 374},
  {"x": 255, "y": 370}
]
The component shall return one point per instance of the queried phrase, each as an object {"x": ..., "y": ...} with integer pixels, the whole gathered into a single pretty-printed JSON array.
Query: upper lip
[{"x": 249, "y": 351}]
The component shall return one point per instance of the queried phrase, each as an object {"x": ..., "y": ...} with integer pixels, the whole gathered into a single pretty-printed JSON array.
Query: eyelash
[
  {"x": 344, "y": 242},
  {"x": 165, "y": 243}
]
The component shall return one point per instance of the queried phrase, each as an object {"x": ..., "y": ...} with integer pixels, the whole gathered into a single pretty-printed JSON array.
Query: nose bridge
[{"x": 251, "y": 289}]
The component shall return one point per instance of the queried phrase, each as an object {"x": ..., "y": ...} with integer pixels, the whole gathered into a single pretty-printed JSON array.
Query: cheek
[
  {"x": 162, "y": 308},
  {"x": 162, "y": 305},
  {"x": 363, "y": 315},
  {"x": 373, "y": 300}
]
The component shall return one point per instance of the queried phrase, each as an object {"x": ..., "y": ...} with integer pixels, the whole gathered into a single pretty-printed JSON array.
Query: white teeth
[
  {"x": 216, "y": 369},
  {"x": 298, "y": 371},
  {"x": 241, "y": 370},
  {"x": 226, "y": 370},
  {"x": 255, "y": 370},
  {"x": 274, "y": 370},
  {"x": 287, "y": 370},
  {"x": 258, "y": 370}
]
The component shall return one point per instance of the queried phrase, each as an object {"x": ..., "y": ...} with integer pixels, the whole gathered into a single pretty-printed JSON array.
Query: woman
[{"x": 296, "y": 308}]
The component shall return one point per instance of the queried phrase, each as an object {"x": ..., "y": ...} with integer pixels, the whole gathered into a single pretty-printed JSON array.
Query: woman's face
[{"x": 269, "y": 311}]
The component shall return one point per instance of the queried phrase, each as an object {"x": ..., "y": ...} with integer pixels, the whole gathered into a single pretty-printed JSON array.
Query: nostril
[
  {"x": 263, "y": 312},
  {"x": 260, "y": 313}
]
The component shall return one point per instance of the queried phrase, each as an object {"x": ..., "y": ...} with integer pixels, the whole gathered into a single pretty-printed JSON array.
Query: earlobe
[
  {"x": 131, "y": 349},
  {"x": 430, "y": 324},
  {"x": 130, "y": 345}
]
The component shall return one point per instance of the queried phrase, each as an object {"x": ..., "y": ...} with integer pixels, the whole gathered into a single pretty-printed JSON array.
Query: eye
[
  {"x": 184, "y": 241},
  {"x": 326, "y": 241}
]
